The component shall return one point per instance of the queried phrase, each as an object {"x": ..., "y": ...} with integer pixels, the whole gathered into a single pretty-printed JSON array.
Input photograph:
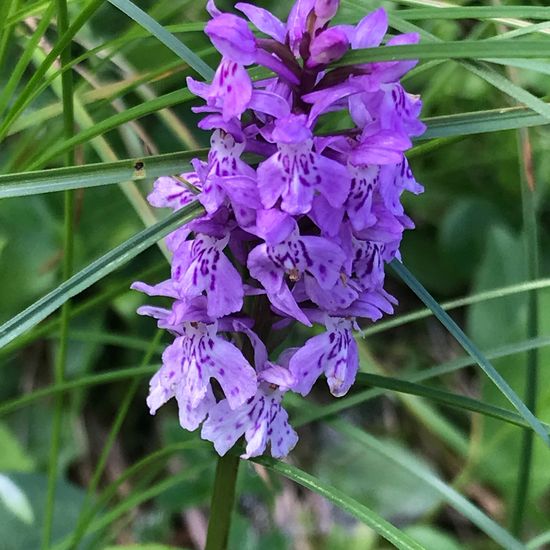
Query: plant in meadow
[{"x": 300, "y": 235}]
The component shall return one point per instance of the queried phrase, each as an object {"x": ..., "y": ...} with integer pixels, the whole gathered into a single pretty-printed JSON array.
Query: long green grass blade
[
  {"x": 94, "y": 272},
  {"x": 475, "y": 12},
  {"x": 168, "y": 39},
  {"x": 344, "y": 502},
  {"x": 471, "y": 349},
  {"x": 459, "y": 49},
  {"x": 450, "y": 495},
  {"x": 480, "y": 122},
  {"x": 94, "y": 175}
]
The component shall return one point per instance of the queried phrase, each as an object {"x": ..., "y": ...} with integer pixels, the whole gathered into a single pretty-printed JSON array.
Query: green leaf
[
  {"x": 479, "y": 122},
  {"x": 168, "y": 39},
  {"x": 472, "y": 350},
  {"x": 452, "y": 497},
  {"x": 460, "y": 49},
  {"x": 476, "y": 12},
  {"x": 94, "y": 272},
  {"x": 344, "y": 502},
  {"x": 94, "y": 175}
]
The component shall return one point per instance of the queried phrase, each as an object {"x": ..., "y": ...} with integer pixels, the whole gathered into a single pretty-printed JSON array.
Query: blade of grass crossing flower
[
  {"x": 94, "y": 272},
  {"x": 168, "y": 39},
  {"x": 475, "y": 12},
  {"x": 342, "y": 501},
  {"x": 409, "y": 279},
  {"x": 93, "y": 175},
  {"x": 487, "y": 73},
  {"x": 495, "y": 120},
  {"x": 475, "y": 49},
  {"x": 68, "y": 254},
  {"x": 450, "y": 495},
  {"x": 102, "y": 297}
]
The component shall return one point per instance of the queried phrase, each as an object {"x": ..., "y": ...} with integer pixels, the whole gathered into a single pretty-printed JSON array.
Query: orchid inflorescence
[{"x": 300, "y": 233}]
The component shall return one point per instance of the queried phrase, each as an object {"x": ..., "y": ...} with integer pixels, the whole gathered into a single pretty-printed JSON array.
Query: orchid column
[{"x": 300, "y": 235}]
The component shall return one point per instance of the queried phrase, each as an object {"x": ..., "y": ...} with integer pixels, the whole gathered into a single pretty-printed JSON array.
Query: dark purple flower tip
[
  {"x": 328, "y": 46},
  {"x": 232, "y": 38},
  {"x": 292, "y": 129},
  {"x": 326, "y": 9}
]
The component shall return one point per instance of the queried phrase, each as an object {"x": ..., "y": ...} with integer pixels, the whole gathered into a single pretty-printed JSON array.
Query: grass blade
[
  {"x": 94, "y": 175},
  {"x": 94, "y": 272},
  {"x": 344, "y": 502},
  {"x": 168, "y": 39},
  {"x": 409, "y": 279},
  {"x": 459, "y": 49},
  {"x": 475, "y": 12}
]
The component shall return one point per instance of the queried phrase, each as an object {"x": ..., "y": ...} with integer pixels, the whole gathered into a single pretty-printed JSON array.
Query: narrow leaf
[
  {"x": 167, "y": 38},
  {"x": 471, "y": 349},
  {"x": 344, "y": 502},
  {"x": 94, "y": 272}
]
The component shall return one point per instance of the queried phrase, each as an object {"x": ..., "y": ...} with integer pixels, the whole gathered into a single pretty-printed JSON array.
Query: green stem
[
  {"x": 68, "y": 248},
  {"x": 531, "y": 375},
  {"x": 221, "y": 507}
]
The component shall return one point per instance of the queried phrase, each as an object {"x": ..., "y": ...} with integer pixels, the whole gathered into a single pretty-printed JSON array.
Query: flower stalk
[{"x": 222, "y": 503}]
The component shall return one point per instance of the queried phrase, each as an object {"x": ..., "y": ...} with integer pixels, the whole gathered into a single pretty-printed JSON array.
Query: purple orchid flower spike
[
  {"x": 264, "y": 21},
  {"x": 298, "y": 226}
]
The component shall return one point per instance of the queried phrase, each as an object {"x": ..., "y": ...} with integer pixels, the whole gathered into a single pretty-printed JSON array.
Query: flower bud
[
  {"x": 232, "y": 38},
  {"x": 328, "y": 46},
  {"x": 326, "y": 9}
]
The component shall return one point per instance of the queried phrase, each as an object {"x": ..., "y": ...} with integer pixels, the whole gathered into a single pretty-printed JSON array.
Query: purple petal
[
  {"x": 370, "y": 30},
  {"x": 269, "y": 103},
  {"x": 190, "y": 418},
  {"x": 327, "y": 47},
  {"x": 264, "y": 21},
  {"x": 308, "y": 363},
  {"x": 233, "y": 372},
  {"x": 232, "y": 38}
]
